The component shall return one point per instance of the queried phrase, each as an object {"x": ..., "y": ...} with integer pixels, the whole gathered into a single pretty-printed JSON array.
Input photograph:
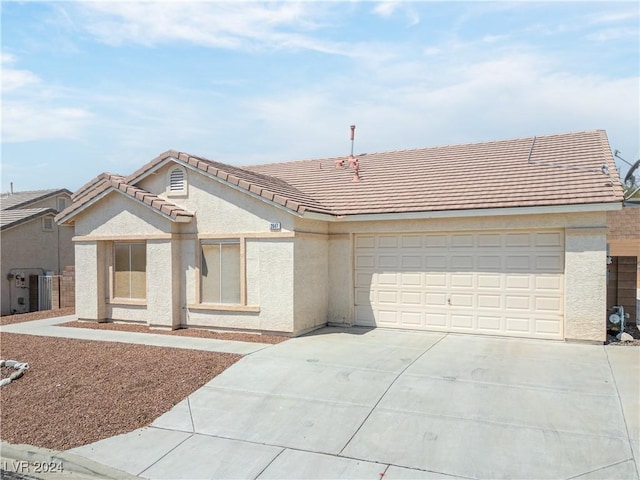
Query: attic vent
[{"x": 177, "y": 181}]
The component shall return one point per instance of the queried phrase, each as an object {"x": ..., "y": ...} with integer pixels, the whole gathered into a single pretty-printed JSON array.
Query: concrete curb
[{"x": 27, "y": 461}]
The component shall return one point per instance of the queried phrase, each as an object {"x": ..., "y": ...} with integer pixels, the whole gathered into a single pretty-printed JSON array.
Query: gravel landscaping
[
  {"x": 76, "y": 392},
  {"x": 183, "y": 332},
  {"x": 27, "y": 317}
]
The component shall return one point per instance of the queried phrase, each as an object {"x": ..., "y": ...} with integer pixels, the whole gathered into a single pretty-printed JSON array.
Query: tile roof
[
  {"x": 563, "y": 169},
  {"x": 10, "y": 201},
  {"x": 11, "y": 218},
  {"x": 106, "y": 182}
]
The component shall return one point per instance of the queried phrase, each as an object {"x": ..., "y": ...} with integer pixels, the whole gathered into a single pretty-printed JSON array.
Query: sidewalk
[
  {"x": 29, "y": 462},
  {"x": 49, "y": 328}
]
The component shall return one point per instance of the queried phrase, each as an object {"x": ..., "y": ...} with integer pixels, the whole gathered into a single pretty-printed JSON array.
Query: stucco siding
[
  {"x": 119, "y": 216},
  {"x": 219, "y": 208},
  {"x": 311, "y": 275},
  {"x": 340, "y": 271},
  {"x": 90, "y": 281},
  {"x": 270, "y": 287},
  {"x": 585, "y": 284}
]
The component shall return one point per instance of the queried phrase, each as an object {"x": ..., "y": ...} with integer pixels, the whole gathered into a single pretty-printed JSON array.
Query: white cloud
[
  {"x": 25, "y": 122},
  {"x": 386, "y": 9},
  {"x": 232, "y": 25},
  {"x": 32, "y": 110}
]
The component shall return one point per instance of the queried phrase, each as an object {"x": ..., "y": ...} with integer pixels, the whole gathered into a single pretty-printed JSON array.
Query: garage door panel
[
  {"x": 549, "y": 263},
  {"x": 489, "y": 281},
  {"x": 462, "y": 322},
  {"x": 461, "y": 263},
  {"x": 498, "y": 283},
  {"x": 436, "y": 279},
  {"x": 491, "y": 324},
  {"x": 411, "y": 298},
  {"x": 435, "y": 241},
  {"x": 388, "y": 317},
  {"x": 388, "y": 241},
  {"x": 435, "y": 320},
  {"x": 388, "y": 297},
  {"x": 515, "y": 282},
  {"x": 411, "y": 241},
  {"x": 364, "y": 296},
  {"x": 517, "y": 302},
  {"x": 462, "y": 280},
  {"x": 363, "y": 279},
  {"x": 518, "y": 240},
  {"x": 489, "y": 301},
  {"x": 411, "y": 318},
  {"x": 435, "y": 299},
  {"x": 549, "y": 239},
  {"x": 411, "y": 279},
  {"x": 435, "y": 263},
  {"x": 518, "y": 262},
  {"x": 365, "y": 261},
  {"x": 489, "y": 263},
  {"x": 490, "y": 240},
  {"x": 461, "y": 300},
  {"x": 388, "y": 261},
  {"x": 411, "y": 262}
]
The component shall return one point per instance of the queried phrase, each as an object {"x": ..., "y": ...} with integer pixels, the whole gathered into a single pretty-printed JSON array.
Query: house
[
  {"x": 498, "y": 238},
  {"x": 623, "y": 268},
  {"x": 32, "y": 245}
]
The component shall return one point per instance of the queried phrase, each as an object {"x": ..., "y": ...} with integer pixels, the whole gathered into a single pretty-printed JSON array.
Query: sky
[{"x": 89, "y": 87}]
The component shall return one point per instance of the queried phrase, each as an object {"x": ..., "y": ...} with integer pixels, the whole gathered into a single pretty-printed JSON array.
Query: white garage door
[{"x": 496, "y": 283}]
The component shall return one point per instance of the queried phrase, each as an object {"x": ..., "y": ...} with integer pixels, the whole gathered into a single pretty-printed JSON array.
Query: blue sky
[{"x": 89, "y": 87}]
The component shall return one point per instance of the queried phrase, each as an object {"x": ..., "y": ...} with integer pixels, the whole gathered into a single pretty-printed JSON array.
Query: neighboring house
[
  {"x": 623, "y": 269},
  {"x": 32, "y": 244},
  {"x": 499, "y": 238}
]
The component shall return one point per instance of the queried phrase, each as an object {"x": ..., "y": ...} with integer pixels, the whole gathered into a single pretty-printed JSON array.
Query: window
[
  {"x": 177, "y": 181},
  {"x": 47, "y": 224},
  {"x": 220, "y": 272},
  {"x": 62, "y": 203},
  {"x": 130, "y": 271}
]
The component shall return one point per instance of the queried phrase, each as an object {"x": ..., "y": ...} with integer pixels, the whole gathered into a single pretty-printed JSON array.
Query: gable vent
[{"x": 176, "y": 180}]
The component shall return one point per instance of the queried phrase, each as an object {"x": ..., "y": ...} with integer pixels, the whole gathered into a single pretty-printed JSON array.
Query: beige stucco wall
[
  {"x": 311, "y": 281},
  {"x": 27, "y": 248},
  {"x": 585, "y": 284},
  {"x": 173, "y": 255}
]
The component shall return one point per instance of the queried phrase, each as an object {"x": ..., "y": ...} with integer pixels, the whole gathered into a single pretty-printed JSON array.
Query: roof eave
[
  {"x": 67, "y": 218},
  {"x": 478, "y": 212}
]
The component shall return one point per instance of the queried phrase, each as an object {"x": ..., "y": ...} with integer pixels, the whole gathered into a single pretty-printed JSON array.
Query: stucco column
[
  {"x": 163, "y": 284},
  {"x": 91, "y": 290},
  {"x": 341, "y": 301},
  {"x": 585, "y": 284}
]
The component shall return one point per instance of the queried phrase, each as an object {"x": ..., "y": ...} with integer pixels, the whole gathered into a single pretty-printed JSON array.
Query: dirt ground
[{"x": 77, "y": 392}]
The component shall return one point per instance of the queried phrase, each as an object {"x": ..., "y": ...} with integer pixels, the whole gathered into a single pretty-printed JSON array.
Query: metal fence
[{"x": 45, "y": 291}]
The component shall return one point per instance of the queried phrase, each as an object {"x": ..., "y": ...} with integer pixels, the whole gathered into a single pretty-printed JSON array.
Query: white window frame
[
  {"x": 112, "y": 275},
  {"x": 243, "y": 306},
  {"x": 45, "y": 221}
]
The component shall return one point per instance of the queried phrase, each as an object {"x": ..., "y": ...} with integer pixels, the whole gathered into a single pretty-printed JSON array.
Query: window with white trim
[
  {"x": 47, "y": 224},
  {"x": 177, "y": 182},
  {"x": 130, "y": 271},
  {"x": 220, "y": 272}
]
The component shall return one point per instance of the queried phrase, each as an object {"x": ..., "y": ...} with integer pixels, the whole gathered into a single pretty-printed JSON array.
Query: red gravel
[
  {"x": 76, "y": 392},
  {"x": 27, "y": 317},
  {"x": 183, "y": 332}
]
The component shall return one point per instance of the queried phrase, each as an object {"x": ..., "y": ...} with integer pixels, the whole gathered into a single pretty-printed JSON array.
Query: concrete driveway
[{"x": 395, "y": 405}]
